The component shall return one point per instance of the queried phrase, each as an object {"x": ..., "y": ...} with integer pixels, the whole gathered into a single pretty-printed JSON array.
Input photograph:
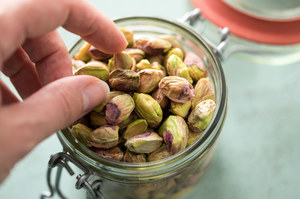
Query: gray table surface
[{"x": 258, "y": 149}]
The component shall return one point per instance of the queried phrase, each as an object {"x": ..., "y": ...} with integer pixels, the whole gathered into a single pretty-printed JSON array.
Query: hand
[{"x": 34, "y": 57}]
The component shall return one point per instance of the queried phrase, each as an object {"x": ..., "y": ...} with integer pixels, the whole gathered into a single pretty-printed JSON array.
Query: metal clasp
[
  {"x": 191, "y": 17},
  {"x": 61, "y": 160}
]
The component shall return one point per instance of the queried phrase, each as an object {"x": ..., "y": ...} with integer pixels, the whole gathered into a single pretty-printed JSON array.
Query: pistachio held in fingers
[
  {"x": 94, "y": 68},
  {"x": 106, "y": 136},
  {"x": 152, "y": 46},
  {"x": 135, "y": 128},
  {"x": 201, "y": 115},
  {"x": 81, "y": 132},
  {"x": 161, "y": 153},
  {"x": 149, "y": 79},
  {"x": 77, "y": 64},
  {"x": 176, "y": 67},
  {"x": 123, "y": 60},
  {"x": 114, "y": 153},
  {"x": 177, "y": 89},
  {"x": 175, "y": 132},
  {"x": 203, "y": 90},
  {"x": 134, "y": 157},
  {"x": 119, "y": 108},
  {"x": 144, "y": 143},
  {"x": 146, "y": 107},
  {"x": 124, "y": 80},
  {"x": 195, "y": 66}
]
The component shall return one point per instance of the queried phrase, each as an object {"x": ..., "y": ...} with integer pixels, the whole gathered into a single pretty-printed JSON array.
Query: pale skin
[{"x": 35, "y": 58}]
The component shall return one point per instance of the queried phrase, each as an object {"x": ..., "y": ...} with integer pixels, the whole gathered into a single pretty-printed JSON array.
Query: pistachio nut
[
  {"x": 146, "y": 107},
  {"x": 152, "y": 46},
  {"x": 175, "y": 132},
  {"x": 135, "y": 128},
  {"x": 162, "y": 100},
  {"x": 203, "y": 90},
  {"x": 128, "y": 35},
  {"x": 77, "y": 64},
  {"x": 106, "y": 136},
  {"x": 201, "y": 115},
  {"x": 161, "y": 153},
  {"x": 110, "y": 65},
  {"x": 143, "y": 64},
  {"x": 81, "y": 132},
  {"x": 94, "y": 68},
  {"x": 176, "y": 67},
  {"x": 124, "y": 80},
  {"x": 119, "y": 108},
  {"x": 114, "y": 153},
  {"x": 173, "y": 40},
  {"x": 136, "y": 54},
  {"x": 98, "y": 55},
  {"x": 181, "y": 109},
  {"x": 97, "y": 119},
  {"x": 83, "y": 53},
  {"x": 173, "y": 51},
  {"x": 158, "y": 66},
  {"x": 134, "y": 157},
  {"x": 195, "y": 66},
  {"x": 156, "y": 58},
  {"x": 100, "y": 107},
  {"x": 193, "y": 137},
  {"x": 177, "y": 89},
  {"x": 149, "y": 79},
  {"x": 144, "y": 143},
  {"x": 123, "y": 60}
]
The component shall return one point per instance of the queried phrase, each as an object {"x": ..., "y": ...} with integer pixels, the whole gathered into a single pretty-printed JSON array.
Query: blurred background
[{"x": 258, "y": 150}]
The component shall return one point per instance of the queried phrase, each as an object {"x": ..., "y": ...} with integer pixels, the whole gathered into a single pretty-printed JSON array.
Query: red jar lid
[{"x": 244, "y": 25}]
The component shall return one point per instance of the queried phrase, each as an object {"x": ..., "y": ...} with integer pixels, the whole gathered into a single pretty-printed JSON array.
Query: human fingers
[
  {"x": 22, "y": 73},
  {"x": 6, "y": 96},
  {"x": 79, "y": 17},
  {"x": 53, "y": 107}
]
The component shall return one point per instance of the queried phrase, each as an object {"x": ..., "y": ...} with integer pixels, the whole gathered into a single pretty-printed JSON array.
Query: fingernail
[{"x": 94, "y": 94}]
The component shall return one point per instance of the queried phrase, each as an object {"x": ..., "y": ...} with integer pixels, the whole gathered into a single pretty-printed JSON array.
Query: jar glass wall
[{"x": 173, "y": 176}]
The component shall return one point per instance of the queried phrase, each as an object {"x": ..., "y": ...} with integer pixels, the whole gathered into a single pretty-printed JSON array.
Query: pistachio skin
[
  {"x": 162, "y": 100},
  {"x": 195, "y": 66},
  {"x": 201, "y": 115},
  {"x": 173, "y": 40},
  {"x": 173, "y": 51},
  {"x": 144, "y": 143},
  {"x": 94, "y": 68},
  {"x": 97, "y": 119},
  {"x": 136, "y": 54},
  {"x": 161, "y": 153},
  {"x": 134, "y": 157},
  {"x": 153, "y": 46},
  {"x": 175, "y": 132},
  {"x": 119, "y": 108},
  {"x": 149, "y": 79},
  {"x": 128, "y": 35},
  {"x": 106, "y": 136},
  {"x": 146, "y": 107},
  {"x": 203, "y": 90},
  {"x": 98, "y": 55},
  {"x": 176, "y": 67},
  {"x": 176, "y": 89},
  {"x": 124, "y": 80},
  {"x": 114, "y": 153},
  {"x": 193, "y": 137},
  {"x": 135, "y": 128},
  {"x": 81, "y": 132},
  {"x": 77, "y": 64}
]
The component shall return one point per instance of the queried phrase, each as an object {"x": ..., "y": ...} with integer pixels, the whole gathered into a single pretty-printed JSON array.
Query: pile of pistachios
[{"x": 161, "y": 99}]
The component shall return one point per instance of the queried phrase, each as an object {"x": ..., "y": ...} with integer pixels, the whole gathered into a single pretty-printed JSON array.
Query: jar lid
[{"x": 258, "y": 25}]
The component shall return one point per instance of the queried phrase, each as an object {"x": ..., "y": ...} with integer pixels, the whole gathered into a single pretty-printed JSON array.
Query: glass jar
[{"x": 172, "y": 177}]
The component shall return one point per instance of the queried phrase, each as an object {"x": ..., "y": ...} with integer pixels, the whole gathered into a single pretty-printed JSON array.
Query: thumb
[{"x": 53, "y": 107}]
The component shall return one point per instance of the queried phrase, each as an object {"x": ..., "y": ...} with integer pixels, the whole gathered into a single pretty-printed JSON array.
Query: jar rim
[{"x": 190, "y": 153}]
